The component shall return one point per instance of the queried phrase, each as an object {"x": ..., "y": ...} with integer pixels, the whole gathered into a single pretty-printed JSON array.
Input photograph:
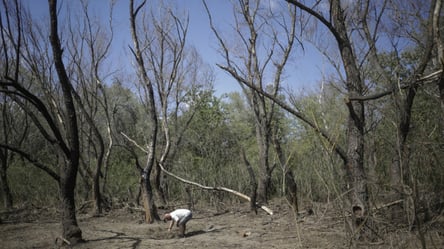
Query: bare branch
[
  {"x": 243, "y": 196},
  {"x": 318, "y": 16},
  {"x": 134, "y": 142},
  {"x": 339, "y": 150},
  {"x": 34, "y": 161},
  {"x": 428, "y": 78}
]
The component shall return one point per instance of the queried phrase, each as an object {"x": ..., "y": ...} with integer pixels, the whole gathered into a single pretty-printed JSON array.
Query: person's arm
[{"x": 171, "y": 225}]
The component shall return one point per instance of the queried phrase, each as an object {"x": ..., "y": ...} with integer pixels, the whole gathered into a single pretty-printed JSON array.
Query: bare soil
[{"x": 234, "y": 228}]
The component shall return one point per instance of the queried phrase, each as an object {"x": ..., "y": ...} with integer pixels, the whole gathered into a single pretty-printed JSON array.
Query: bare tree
[
  {"x": 58, "y": 128},
  {"x": 167, "y": 59},
  {"x": 89, "y": 45},
  {"x": 7, "y": 128},
  {"x": 168, "y": 72},
  {"x": 148, "y": 87},
  {"x": 266, "y": 37},
  {"x": 68, "y": 174},
  {"x": 357, "y": 45},
  {"x": 437, "y": 35}
]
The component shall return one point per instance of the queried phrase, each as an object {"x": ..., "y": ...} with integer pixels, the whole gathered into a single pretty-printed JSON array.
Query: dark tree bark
[
  {"x": 356, "y": 184},
  {"x": 253, "y": 183},
  {"x": 399, "y": 169},
  {"x": 263, "y": 141},
  {"x": 4, "y": 159},
  {"x": 100, "y": 154},
  {"x": 68, "y": 172},
  {"x": 356, "y": 118},
  {"x": 440, "y": 52},
  {"x": 147, "y": 192},
  {"x": 7, "y": 196}
]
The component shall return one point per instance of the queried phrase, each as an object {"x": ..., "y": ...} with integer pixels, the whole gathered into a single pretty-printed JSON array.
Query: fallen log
[{"x": 243, "y": 196}]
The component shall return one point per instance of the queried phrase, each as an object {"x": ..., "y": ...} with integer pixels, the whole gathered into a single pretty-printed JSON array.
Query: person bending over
[{"x": 180, "y": 217}]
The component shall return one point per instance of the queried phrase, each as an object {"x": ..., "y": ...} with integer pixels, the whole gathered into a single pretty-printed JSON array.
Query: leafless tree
[
  {"x": 7, "y": 127},
  {"x": 57, "y": 126},
  {"x": 356, "y": 28},
  {"x": 168, "y": 72},
  {"x": 148, "y": 86},
  {"x": 266, "y": 38},
  {"x": 88, "y": 48},
  {"x": 167, "y": 59}
]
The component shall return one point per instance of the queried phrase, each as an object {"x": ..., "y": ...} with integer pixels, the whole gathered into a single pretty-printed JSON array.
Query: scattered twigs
[
  {"x": 60, "y": 241},
  {"x": 387, "y": 204}
]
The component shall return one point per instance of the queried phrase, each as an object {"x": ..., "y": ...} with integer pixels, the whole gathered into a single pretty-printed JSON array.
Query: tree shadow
[
  {"x": 135, "y": 242},
  {"x": 195, "y": 233}
]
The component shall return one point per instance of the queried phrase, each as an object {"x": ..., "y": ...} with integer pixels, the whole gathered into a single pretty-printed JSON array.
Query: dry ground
[{"x": 232, "y": 228}]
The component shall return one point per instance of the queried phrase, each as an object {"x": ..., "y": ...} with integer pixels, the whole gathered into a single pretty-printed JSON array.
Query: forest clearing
[
  {"x": 114, "y": 112},
  {"x": 233, "y": 227}
]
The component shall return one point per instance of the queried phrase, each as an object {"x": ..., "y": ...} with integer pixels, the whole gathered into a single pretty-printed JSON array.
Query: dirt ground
[{"x": 232, "y": 228}]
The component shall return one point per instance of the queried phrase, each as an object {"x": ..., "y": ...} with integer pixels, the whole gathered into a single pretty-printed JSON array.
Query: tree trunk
[
  {"x": 440, "y": 52},
  {"x": 100, "y": 158},
  {"x": 96, "y": 191},
  {"x": 68, "y": 171},
  {"x": 263, "y": 141},
  {"x": 441, "y": 94},
  {"x": 150, "y": 208},
  {"x": 4, "y": 158},
  {"x": 7, "y": 196},
  {"x": 399, "y": 169},
  {"x": 98, "y": 173},
  {"x": 253, "y": 183},
  {"x": 148, "y": 201},
  {"x": 70, "y": 228},
  {"x": 354, "y": 164},
  {"x": 159, "y": 186},
  {"x": 357, "y": 180},
  {"x": 291, "y": 190}
]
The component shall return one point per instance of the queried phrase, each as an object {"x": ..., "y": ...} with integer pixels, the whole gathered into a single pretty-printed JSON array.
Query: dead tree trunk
[
  {"x": 150, "y": 208},
  {"x": 253, "y": 183},
  {"x": 243, "y": 196},
  {"x": 7, "y": 196},
  {"x": 148, "y": 200},
  {"x": 68, "y": 172}
]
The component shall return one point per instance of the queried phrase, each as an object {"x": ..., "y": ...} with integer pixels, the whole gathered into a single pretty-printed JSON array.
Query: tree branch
[
  {"x": 34, "y": 161},
  {"x": 428, "y": 78},
  {"x": 243, "y": 196},
  {"x": 339, "y": 150},
  {"x": 134, "y": 142}
]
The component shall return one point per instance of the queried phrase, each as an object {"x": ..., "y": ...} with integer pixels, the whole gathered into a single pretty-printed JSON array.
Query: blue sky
[{"x": 304, "y": 71}]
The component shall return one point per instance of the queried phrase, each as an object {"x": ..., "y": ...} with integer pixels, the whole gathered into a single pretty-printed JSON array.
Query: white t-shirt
[{"x": 180, "y": 215}]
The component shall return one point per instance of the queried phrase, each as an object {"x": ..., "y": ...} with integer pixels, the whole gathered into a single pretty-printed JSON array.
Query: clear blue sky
[{"x": 304, "y": 72}]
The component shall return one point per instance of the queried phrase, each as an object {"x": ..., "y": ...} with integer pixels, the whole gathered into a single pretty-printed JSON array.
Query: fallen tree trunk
[{"x": 243, "y": 196}]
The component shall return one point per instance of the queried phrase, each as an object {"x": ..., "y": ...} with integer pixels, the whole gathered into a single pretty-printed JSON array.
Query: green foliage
[
  {"x": 123, "y": 177},
  {"x": 317, "y": 168},
  {"x": 220, "y": 127},
  {"x": 30, "y": 185},
  {"x": 210, "y": 149}
]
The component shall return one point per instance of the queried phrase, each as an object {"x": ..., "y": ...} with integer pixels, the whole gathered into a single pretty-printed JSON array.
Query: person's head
[{"x": 167, "y": 217}]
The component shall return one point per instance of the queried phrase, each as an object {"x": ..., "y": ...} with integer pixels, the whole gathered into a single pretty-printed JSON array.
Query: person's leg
[
  {"x": 183, "y": 224},
  {"x": 182, "y": 230}
]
